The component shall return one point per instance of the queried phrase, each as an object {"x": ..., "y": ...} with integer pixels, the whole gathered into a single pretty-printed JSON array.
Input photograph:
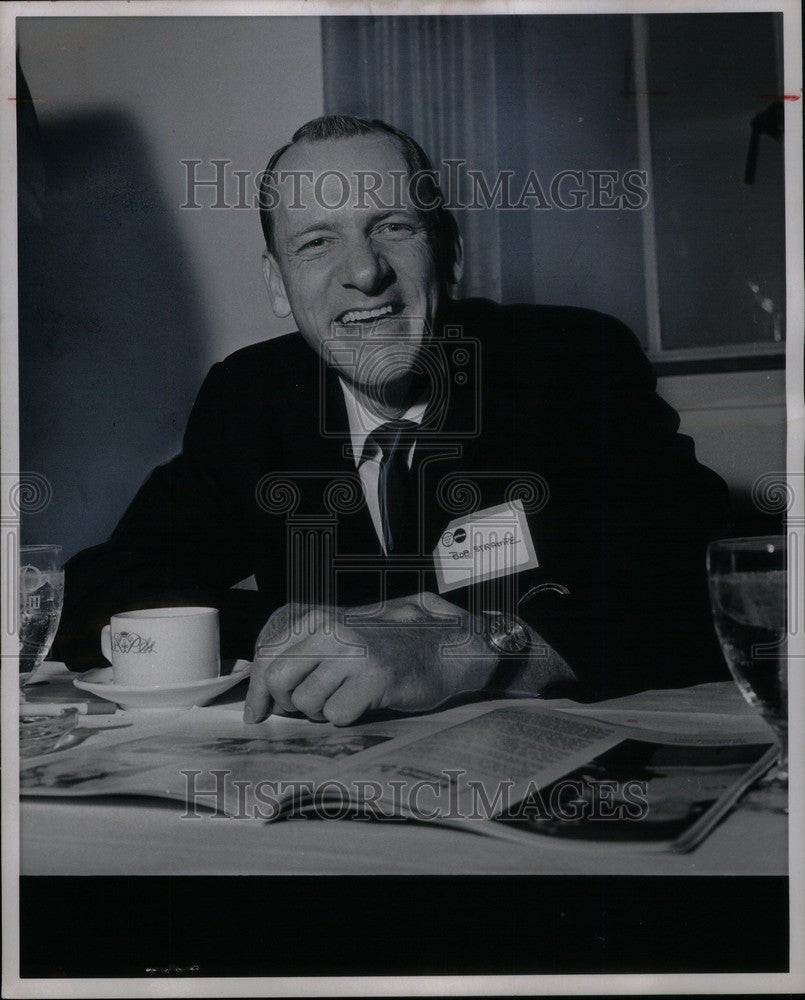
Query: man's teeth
[{"x": 362, "y": 315}]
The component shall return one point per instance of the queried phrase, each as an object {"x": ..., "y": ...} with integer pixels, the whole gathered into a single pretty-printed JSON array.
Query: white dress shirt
[{"x": 361, "y": 424}]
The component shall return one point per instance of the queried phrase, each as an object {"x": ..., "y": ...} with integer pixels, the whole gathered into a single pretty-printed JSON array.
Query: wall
[
  {"x": 126, "y": 298},
  {"x": 738, "y": 422}
]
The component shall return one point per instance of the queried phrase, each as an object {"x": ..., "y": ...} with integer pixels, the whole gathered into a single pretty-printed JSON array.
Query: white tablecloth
[{"x": 118, "y": 836}]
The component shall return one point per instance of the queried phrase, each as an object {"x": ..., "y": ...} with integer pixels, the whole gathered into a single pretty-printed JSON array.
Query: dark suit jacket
[{"x": 554, "y": 405}]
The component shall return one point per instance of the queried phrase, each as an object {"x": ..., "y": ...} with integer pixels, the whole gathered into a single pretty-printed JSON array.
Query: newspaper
[{"x": 509, "y": 768}]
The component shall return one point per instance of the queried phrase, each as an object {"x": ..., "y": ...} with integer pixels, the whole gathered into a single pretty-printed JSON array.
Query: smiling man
[
  {"x": 435, "y": 497},
  {"x": 340, "y": 259}
]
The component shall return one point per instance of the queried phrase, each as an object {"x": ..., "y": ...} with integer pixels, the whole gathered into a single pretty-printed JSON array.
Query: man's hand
[{"x": 338, "y": 663}]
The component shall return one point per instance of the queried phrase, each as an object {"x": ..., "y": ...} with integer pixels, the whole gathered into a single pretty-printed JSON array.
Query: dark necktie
[{"x": 396, "y": 486}]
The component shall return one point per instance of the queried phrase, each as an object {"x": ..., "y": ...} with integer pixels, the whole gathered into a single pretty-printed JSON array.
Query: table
[{"x": 115, "y": 836}]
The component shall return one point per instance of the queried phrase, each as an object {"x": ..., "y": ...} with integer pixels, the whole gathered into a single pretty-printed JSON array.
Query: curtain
[
  {"x": 437, "y": 79},
  {"x": 509, "y": 94}
]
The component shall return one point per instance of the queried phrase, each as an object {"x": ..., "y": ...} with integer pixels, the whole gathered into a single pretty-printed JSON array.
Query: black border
[{"x": 177, "y": 927}]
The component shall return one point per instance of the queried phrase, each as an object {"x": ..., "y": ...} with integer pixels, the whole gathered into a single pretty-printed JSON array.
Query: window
[
  {"x": 710, "y": 135},
  {"x": 698, "y": 270}
]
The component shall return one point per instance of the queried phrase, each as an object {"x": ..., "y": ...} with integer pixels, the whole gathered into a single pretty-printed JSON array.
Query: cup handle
[{"x": 106, "y": 642}]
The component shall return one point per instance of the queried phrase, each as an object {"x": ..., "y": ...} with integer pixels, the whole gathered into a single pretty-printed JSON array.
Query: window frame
[{"x": 749, "y": 356}]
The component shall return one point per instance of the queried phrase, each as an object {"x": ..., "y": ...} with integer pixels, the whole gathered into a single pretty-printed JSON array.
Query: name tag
[{"x": 484, "y": 545}]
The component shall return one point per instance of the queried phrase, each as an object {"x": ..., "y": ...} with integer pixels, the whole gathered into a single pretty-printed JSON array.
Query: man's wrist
[
  {"x": 507, "y": 673},
  {"x": 508, "y": 639},
  {"x": 530, "y": 671}
]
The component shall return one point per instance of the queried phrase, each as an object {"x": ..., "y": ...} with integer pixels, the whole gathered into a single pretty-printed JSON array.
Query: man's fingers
[
  {"x": 258, "y": 697},
  {"x": 284, "y": 677},
  {"x": 288, "y": 669},
  {"x": 279, "y": 669},
  {"x": 349, "y": 702},
  {"x": 275, "y": 677},
  {"x": 310, "y": 695}
]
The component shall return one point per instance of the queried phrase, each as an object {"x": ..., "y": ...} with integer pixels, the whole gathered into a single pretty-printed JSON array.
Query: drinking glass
[
  {"x": 41, "y": 593},
  {"x": 748, "y": 578}
]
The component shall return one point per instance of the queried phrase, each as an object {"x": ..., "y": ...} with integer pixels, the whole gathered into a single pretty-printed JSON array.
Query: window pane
[{"x": 720, "y": 241}]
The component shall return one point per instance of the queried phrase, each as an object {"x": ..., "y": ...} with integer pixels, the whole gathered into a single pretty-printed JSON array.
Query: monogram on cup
[{"x": 130, "y": 642}]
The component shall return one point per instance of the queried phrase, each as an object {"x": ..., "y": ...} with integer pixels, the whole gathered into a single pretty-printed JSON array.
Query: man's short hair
[{"x": 440, "y": 224}]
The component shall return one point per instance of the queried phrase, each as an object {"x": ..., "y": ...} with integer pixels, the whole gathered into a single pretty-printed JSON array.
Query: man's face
[{"x": 360, "y": 278}]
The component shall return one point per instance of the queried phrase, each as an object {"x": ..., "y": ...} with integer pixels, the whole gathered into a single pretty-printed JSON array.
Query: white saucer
[{"x": 100, "y": 681}]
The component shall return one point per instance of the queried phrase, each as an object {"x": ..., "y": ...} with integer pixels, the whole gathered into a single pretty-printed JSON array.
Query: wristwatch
[
  {"x": 505, "y": 634},
  {"x": 507, "y": 637}
]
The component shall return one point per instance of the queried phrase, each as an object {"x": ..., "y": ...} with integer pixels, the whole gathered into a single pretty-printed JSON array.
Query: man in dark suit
[{"x": 435, "y": 497}]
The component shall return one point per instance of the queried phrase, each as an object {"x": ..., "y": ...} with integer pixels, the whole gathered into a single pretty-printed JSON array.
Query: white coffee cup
[{"x": 162, "y": 647}]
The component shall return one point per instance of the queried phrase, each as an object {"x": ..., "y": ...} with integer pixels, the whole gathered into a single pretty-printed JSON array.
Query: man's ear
[
  {"x": 275, "y": 286},
  {"x": 457, "y": 268}
]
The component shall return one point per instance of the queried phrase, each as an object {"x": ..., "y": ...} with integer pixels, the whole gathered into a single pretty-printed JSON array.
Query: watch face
[{"x": 508, "y": 637}]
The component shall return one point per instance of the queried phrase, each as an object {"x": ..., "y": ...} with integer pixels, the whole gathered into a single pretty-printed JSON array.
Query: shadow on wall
[{"x": 112, "y": 336}]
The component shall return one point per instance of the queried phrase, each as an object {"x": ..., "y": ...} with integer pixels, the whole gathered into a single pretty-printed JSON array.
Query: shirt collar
[{"x": 362, "y": 421}]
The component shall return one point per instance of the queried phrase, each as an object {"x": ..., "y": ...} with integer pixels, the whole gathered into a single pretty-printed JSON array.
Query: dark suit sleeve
[
  {"x": 179, "y": 543},
  {"x": 635, "y": 513}
]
